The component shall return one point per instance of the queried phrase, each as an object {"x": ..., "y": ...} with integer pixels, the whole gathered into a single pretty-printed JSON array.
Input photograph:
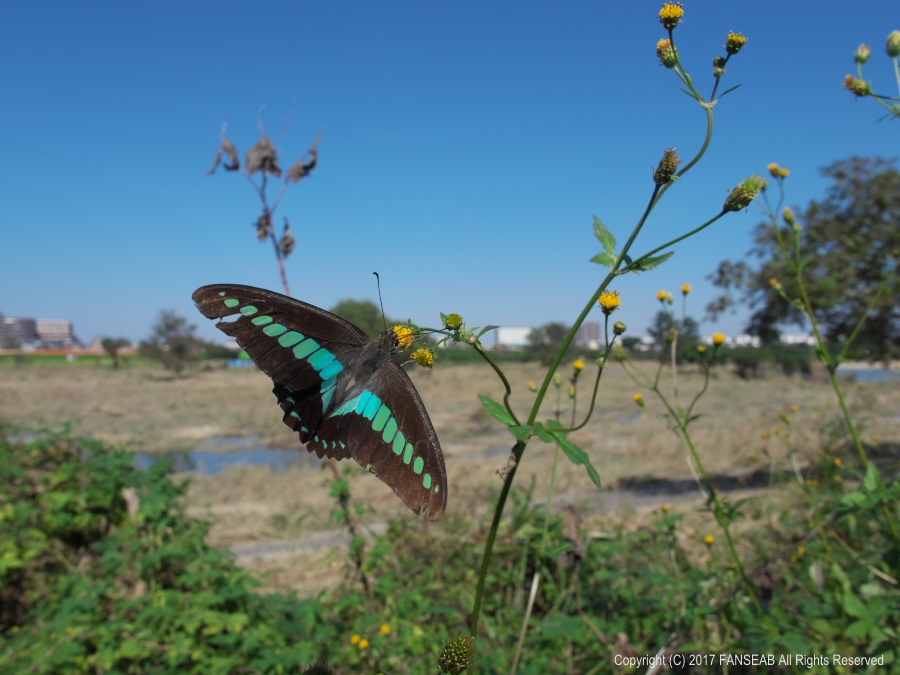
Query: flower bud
[
  {"x": 789, "y": 216},
  {"x": 667, "y": 167},
  {"x": 665, "y": 52},
  {"x": 458, "y": 655},
  {"x": 744, "y": 193},
  {"x": 453, "y": 321},
  {"x": 619, "y": 328},
  {"x": 857, "y": 86},
  {"x": 863, "y": 52},
  {"x": 893, "y": 44}
]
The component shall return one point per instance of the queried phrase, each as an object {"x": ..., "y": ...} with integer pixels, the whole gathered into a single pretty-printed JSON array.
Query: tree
[
  {"x": 363, "y": 313},
  {"x": 688, "y": 333},
  {"x": 172, "y": 341},
  {"x": 849, "y": 244},
  {"x": 112, "y": 346},
  {"x": 543, "y": 341}
]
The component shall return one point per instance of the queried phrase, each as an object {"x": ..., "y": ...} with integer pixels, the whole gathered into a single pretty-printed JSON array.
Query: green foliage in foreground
[{"x": 101, "y": 571}]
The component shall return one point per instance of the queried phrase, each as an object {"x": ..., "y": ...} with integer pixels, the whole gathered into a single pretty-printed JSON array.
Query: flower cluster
[
  {"x": 665, "y": 52},
  {"x": 670, "y": 15},
  {"x": 778, "y": 171},
  {"x": 609, "y": 302},
  {"x": 405, "y": 336},
  {"x": 741, "y": 196},
  {"x": 667, "y": 167}
]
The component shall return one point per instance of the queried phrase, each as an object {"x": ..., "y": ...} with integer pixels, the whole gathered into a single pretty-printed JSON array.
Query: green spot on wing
[
  {"x": 321, "y": 358},
  {"x": 232, "y": 302},
  {"x": 262, "y": 320},
  {"x": 381, "y": 418},
  {"x": 407, "y": 456},
  {"x": 331, "y": 370},
  {"x": 418, "y": 465},
  {"x": 399, "y": 442},
  {"x": 372, "y": 407},
  {"x": 274, "y": 329},
  {"x": 290, "y": 339},
  {"x": 389, "y": 430},
  {"x": 249, "y": 310},
  {"x": 363, "y": 402},
  {"x": 305, "y": 348},
  {"x": 426, "y": 481}
]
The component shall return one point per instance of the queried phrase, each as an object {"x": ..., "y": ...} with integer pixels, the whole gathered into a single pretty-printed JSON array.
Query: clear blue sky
[{"x": 465, "y": 147}]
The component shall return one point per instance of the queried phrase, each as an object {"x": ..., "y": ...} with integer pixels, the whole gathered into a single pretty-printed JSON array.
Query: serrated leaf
[
  {"x": 522, "y": 432},
  {"x": 605, "y": 259},
  {"x": 604, "y": 236},
  {"x": 579, "y": 457},
  {"x": 497, "y": 410},
  {"x": 543, "y": 434},
  {"x": 647, "y": 264}
]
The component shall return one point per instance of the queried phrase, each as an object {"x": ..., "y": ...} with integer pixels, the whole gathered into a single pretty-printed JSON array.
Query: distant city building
[
  {"x": 57, "y": 334},
  {"x": 510, "y": 338},
  {"x": 798, "y": 339},
  {"x": 26, "y": 333},
  {"x": 16, "y": 333},
  {"x": 588, "y": 335}
]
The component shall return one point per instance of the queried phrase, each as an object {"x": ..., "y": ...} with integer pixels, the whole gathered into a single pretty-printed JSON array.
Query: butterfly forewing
[{"x": 341, "y": 392}]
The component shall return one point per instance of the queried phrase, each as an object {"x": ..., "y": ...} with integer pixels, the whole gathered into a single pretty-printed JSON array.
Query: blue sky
[{"x": 465, "y": 147}]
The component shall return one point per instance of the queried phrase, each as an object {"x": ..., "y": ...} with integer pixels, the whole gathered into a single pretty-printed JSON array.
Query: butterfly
[{"x": 340, "y": 391}]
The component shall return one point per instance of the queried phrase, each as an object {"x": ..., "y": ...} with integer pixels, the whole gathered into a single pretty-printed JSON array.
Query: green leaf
[
  {"x": 873, "y": 479},
  {"x": 543, "y": 434},
  {"x": 605, "y": 259},
  {"x": 485, "y": 330},
  {"x": 604, "y": 235},
  {"x": 522, "y": 432},
  {"x": 578, "y": 456},
  {"x": 646, "y": 264},
  {"x": 497, "y": 410}
]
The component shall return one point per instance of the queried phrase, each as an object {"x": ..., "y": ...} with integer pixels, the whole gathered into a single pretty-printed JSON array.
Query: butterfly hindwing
[
  {"x": 385, "y": 428},
  {"x": 341, "y": 392}
]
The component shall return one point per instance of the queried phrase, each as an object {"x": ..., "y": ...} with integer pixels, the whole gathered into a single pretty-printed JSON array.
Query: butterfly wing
[
  {"x": 304, "y": 349},
  {"x": 384, "y": 426},
  {"x": 339, "y": 391}
]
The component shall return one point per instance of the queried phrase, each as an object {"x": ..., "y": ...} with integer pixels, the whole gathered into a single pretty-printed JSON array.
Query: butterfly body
[{"x": 340, "y": 391}]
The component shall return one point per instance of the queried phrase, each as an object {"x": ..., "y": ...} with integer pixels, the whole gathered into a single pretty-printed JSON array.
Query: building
[
  {"x": 509, "y": 338},
  {"x": 16, "y": 333},
  {"x": 588, "y": 335},
  {"x": 26, "y": 333}
]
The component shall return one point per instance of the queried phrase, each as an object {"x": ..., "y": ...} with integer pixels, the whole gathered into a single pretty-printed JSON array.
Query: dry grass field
[{"x": 146, "y": 410}]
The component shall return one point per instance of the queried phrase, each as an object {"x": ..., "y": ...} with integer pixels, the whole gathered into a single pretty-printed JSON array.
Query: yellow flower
[
  {"x": 800, "y": 550},
  {"x": 838, "y": 461},
  {"x": 735, "y": 42},
  {"x": 404, "y": 336},
  {"x": 70, "y": 630},
  {"x": 424, "y": 357},
  {"x": 579, "y": 364},
  {"x": 532, "y": 386},
  {"x": 385, "y": 629},
  {"x": 638, "y": 398},
  {"x": 774, "y": 169},
  {"x": 795, "y": 408},
  {"x": 774, "y": 283},
  {"x": 686, "y": 288},
  {"x": 662, "y": 295},
  {"x": 609, "y": 301},
  {"x": 665, "y": 508},
  {"x": 765, "y": 435},
  {"x": 701, "y": 349},
  {"x": 784, "y": 172},
  {"x": 719, "y": 339},
  {"x": 363, "y": 644},
  {"x": 454, "y": 322},
  {"x": 665, "y": 52},
  {"x": 671, "y": 14},
  {"x": 875, "y": 438},
  {"x": 355, "y": 639},
  {"x": 709, "y": 540}
]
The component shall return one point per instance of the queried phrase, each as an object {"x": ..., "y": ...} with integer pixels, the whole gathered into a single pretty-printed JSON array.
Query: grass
[{"x": 149, "y": 411}]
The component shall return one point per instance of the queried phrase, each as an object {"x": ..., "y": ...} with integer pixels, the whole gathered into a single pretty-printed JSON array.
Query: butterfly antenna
[{"x": 378, "y": 282}]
